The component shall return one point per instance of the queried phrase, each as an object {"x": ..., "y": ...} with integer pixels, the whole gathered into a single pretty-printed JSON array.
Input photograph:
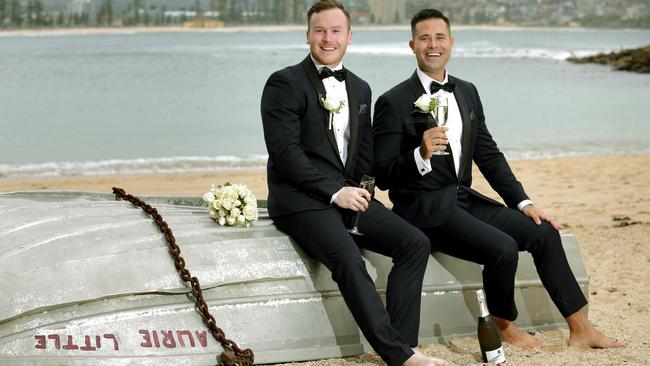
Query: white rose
[
  {"x": 235, "y": 212},
  {"x": 227, "y": 205},
  {"x": 230, "y": 220},
  {"x": 250, "y": 213},
  {"x": 213, "y": 212},
  {"x": 241, "y": 220},
  {"x": 243, "y": 191},
  {"x": 231, "y": 195},
  {"x": 332, "y": 103},
  {"x": 208, "y": 197},
  {"x": 217, "y": 193},
  {"x": 237, "y": 203},
  {"x": 250, "y": 200},
  {"x": 423, "y": 103},
  {"x": 221, "y": 212},
  {"x": 222, "y": 221},
  {"x": 223, "y": 192}
]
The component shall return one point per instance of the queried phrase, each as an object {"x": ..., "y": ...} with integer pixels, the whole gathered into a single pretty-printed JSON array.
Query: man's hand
[
  {"x": 433, "y": 139},
  {"x": 353, "y": 198},
  {"x": 537, "y": 216}
]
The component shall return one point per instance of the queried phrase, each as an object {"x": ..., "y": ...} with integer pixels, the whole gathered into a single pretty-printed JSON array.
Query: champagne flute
[
  {"x": 440, "y": 114},
  {"x": 367, "y": 183}
]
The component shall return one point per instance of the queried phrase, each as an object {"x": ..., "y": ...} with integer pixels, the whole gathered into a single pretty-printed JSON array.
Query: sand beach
[{"x": 603, "y": 200}]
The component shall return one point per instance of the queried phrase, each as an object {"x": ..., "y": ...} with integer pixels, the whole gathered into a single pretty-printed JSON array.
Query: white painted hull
[{"x": 87, "y": 280}]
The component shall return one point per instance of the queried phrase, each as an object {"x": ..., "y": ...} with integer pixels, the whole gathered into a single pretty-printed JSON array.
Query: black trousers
[
  {"x": 390, "y": 330},
  {"x": 491, "y": 235}
]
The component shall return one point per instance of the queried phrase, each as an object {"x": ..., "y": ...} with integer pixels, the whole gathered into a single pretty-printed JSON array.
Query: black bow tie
[
  {"x": 448, "y": 87},
  {"x": 338, "y": 74}
]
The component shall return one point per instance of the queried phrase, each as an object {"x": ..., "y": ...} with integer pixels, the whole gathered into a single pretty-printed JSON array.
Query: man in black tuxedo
[
  {"x": 433, "y": 191},
  {"x": 316, "y": 118}
]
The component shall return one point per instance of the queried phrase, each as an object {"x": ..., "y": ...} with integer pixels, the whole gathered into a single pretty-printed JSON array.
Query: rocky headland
[{"x": 637, "y": 59}]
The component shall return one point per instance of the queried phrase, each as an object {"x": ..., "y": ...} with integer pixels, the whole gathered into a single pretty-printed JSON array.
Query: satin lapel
[
  {"x": 314, "y": 78},
  {"x": 416, "y": 85},
  {"x": 467, "y": 127},
  {"x": 418, "y": 89},
  {"x": 353, "y": 106}
]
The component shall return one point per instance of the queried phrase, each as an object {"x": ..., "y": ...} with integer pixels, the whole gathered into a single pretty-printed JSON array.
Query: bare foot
[
  {"x": 419, "y": 359},
  {"x": 593, "y": 339},
  {"x": 512, "y": 334},
  {"x": 582, "y": 333}
]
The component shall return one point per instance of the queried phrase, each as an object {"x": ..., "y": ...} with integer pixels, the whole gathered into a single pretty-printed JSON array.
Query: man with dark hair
[
  {"x": 433, "y": 191},
  {"x": 316, "y": 118}
]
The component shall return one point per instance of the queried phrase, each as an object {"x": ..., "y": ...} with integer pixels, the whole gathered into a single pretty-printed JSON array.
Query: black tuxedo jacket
[
  {"x": 304, "y": 168},
  {"x": 425, "y": 201}
]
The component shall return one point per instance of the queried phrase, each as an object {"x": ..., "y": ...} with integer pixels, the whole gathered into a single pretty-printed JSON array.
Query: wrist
[
  {"x": 523, "y": 204},
  {"x": 335, "y": 195},
  {"x": 423, "y": 165}
]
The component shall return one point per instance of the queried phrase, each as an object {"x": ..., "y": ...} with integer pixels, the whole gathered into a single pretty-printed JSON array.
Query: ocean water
[{"x": 131, "y": 103}]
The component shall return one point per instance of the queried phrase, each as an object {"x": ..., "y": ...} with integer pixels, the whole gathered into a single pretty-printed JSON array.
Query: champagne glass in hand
[
  {"x": 440, "y": 114},
  {"x": 367, "y": 183}
]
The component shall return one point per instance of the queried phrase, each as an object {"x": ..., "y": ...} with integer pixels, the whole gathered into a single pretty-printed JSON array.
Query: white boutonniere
[
  {"x": 232, "y": 205},
  {"x": 426, "y": 104},
  {"x": 332, "y": 104}
]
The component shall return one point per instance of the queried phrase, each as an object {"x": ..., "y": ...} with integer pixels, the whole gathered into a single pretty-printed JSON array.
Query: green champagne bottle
[{"x": 488, "y": 334}]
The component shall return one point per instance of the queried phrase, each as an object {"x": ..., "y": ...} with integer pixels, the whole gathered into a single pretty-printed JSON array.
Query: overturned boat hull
[{"x": 87, "y": 279}]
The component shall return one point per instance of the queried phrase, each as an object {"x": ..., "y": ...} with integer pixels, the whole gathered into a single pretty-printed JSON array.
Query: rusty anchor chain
[{"x": 232, "y": 354}]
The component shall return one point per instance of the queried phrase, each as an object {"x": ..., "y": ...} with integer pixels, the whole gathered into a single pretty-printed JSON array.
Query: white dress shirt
[{"x": 455, "y": 126}]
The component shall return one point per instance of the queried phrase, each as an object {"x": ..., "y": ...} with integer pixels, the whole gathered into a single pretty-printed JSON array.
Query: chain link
[{"x": 232, "y": 354}]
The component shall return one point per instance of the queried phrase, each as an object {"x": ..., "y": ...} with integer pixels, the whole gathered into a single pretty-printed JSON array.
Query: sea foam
[
  {"x": 164, "y": 165},
  {"x": 477, "y": 51}
]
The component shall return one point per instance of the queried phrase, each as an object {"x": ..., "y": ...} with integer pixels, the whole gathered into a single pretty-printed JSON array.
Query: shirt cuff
[
  {"x": 523, "y": 204},
  {"x": 334, "y": 195},
  {"x": 424, "y": 166}
]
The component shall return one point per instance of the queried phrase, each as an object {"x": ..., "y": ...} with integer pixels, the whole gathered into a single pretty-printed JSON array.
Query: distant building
[
  {"x": 87, "y": 7},
  {"x": 638, "y": 11},
  {"x": 178, "y": 16},
  {"x": 389, "y": 11},
  {"x": 598, "y": 7},
  {"x": 79, "y": 6},
  {"x": 203, "y": 23}
]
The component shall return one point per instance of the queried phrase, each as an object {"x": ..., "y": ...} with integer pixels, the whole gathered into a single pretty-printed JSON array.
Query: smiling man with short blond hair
[{"x": 316, "y": 118}]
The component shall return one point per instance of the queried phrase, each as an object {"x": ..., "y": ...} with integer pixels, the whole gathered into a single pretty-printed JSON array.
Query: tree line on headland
[
  {"x": 21, "y": 14},
  {"x": 637, "y": 59}
]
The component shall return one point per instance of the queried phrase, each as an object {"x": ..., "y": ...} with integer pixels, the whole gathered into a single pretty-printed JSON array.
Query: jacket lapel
[
  {"x": 467, "y": 126},
  {"x": 353, "y": 107},
  {"x": 317, "y": 83},
  {"x": 418, "y": 90}
]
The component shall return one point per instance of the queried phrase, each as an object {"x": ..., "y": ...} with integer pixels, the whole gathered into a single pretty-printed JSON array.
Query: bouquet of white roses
[{"x": 232, "y": 204}]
